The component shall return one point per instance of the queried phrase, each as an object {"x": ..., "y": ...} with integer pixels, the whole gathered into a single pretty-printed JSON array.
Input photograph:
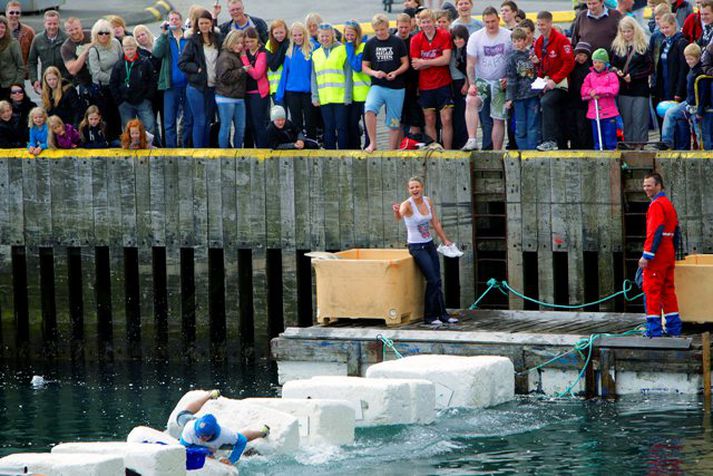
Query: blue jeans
[
  {"x": 335, "y": 126},
  {"x": 528, "y": 131},
  {"x": 174, "y": 102},
  {"x": 426, "y": 258},
  {"x": 143, "y": 111},
  {"x": 608, "y": 126},
  {"x": 707, "y": 131},
  {"x": 202, "y": 104},
  {"x": 231, "y": 113},
  {"x": 258, "y": 116},
  {"x": 486, "y": 124}
]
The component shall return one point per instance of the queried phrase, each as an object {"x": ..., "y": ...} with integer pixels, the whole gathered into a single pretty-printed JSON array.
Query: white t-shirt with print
[{"x": 490, "y": 53}]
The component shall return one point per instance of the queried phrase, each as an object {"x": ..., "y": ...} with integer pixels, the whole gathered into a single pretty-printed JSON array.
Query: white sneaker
[
  {"x": 452, "y": 320},
  {"x": 472, "y": 144},
  {"x": 436, "y": 322},
  {"x": 547, "y": 145}
]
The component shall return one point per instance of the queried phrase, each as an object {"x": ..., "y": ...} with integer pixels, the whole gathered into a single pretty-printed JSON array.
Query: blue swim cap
[{"x": 207, "y": 426}]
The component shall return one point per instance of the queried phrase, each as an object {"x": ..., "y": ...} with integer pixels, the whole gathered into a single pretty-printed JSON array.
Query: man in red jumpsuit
[{"x": 658, "y": 260}]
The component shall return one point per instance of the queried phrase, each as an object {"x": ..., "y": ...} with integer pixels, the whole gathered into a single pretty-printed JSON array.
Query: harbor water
[{"x": 647, "y": 434}]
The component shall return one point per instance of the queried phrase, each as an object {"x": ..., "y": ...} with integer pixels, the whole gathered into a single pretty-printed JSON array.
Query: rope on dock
[
  {"x": 388, "y": 344},
  {"x": 505, "y": 288}
]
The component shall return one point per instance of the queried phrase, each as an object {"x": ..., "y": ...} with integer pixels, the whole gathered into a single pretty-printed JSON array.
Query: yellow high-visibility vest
[
  {"x": 361, "y": 81},
  {"x": 329, "y": 72},
  {"x": 273, "y": 77}
]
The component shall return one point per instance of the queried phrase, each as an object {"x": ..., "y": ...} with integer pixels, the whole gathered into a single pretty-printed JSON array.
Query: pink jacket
[
  {"x": 258, "y": 72},
  {"x": 606, "y": 86}
]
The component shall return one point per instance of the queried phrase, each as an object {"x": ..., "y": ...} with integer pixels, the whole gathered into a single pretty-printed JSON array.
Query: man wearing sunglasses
[{"x": 22, "y": 33}]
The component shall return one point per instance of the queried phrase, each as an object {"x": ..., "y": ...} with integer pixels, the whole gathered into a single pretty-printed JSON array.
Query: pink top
[
  {"x": 606, "y": 85},
  {"x": 258, "y": 72}
]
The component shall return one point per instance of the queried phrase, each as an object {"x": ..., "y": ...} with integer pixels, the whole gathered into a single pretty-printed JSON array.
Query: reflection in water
[{"x": 637, "y": 435}]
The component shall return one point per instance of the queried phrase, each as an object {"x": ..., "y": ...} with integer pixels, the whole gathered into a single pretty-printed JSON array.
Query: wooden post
[
  {"x": 590, "y": 381},
  {"x": 607, "y": 367},
  {"x": 706, "y": 357}
]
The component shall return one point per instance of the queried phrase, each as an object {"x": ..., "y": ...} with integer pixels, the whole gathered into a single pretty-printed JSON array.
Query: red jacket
[
  {"x": 692, "y": 28},
  {"x": 662, "y": 231},
  {"x": 558, "y": 61}
]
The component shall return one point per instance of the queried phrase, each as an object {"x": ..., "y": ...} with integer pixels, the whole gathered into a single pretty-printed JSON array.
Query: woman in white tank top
[{"x": 419, "y": 216}]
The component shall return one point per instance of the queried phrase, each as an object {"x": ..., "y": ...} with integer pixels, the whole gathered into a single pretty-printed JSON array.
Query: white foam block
[
  {"x": 375, "y": 401},
  {"x": 146, "y": 459},
  {"x": 144, "y": 434},
  {"x": 64, "y": 464},
  {"x": 322, "y": 421},
  {"x": 481, "y": 381},
  {"x": 284, "y": 429},
  {"x": 214, "y": 467}
]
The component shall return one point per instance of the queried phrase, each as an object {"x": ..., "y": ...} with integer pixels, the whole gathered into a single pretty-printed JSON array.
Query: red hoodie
[
  {"x": 558, "y": 61},
  {"x": 692, "y": 28}
]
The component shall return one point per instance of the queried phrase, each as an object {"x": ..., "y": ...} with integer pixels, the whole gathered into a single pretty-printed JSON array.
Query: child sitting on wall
[
  {"x": 61, "y": 135},
  {"x": 135, "y": 136},
  {"x": 38, "y": 131}
]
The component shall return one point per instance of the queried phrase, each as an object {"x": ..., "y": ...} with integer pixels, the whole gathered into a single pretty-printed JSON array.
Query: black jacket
[
  {"x": 574, "y": 85},
  {"x": 677, "y": 71},
  {"x": 140, "y": 85},
  {"x": 94, "y": 137},
  {"x": 70, "y": 107},
  {"x": 20, "y": 116},
  {"x": 259, "y": 23},
  {"x": 284, "y": 138},
  {"x": 640, "y": 67},
  {"x": 192, "y": 61},
  {"x": 10, "y": 136}
]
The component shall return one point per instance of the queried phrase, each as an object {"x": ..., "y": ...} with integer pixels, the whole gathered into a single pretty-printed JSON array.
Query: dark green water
[{"x": 653, "y": 434}]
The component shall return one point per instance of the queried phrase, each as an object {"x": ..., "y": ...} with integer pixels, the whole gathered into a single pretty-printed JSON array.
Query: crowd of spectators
[{"x": 438, "y": 75}]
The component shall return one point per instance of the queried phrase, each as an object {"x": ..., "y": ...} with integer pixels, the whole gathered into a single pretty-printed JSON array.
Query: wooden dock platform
[{"x": 618, "y": 365}]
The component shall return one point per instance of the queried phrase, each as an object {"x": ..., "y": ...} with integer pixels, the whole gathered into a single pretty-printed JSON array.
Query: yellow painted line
[
  {"x": 153, "y": 11},
  {"x": 165, "y": 5},
  {"x": 263, "y": 154}
]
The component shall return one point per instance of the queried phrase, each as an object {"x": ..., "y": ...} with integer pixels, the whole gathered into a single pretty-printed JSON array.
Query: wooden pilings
[{"x": 200, "y": 252}]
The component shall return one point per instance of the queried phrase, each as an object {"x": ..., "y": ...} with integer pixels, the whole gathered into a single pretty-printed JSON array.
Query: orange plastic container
[
  {"x": 369, "y": 284},
  {"x": 694, "y": 288}
]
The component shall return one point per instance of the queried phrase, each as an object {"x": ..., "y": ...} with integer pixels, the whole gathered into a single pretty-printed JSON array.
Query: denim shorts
[{"x": 393, "y": 99}]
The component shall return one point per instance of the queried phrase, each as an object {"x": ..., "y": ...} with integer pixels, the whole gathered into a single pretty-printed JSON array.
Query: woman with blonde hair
[
  {"x": 632, "y": 62},
  {"x": 294, "y": 89},
  {"x": 144, "y": 38},
  {"x": 361, "y": 82},
  {"x": 277, "y": 44},
  {"x": 59, "y": 98},
  {"x": 230, "y": 90},
  {"x": 104, "y": 53}
]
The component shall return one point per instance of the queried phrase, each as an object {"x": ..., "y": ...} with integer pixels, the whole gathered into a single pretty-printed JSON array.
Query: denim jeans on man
[
  {"x": 486, "y": 124},
  {"x": 175, "y": 102},
  {"x": 143, "y": 111},
  {"x": 675, "y": 131},
  {"x": 232, "y": 112},
  {"x": 528, "y": 130},
  {"x": 202, "y": 104},
  {"x": 426, "y": 258}
]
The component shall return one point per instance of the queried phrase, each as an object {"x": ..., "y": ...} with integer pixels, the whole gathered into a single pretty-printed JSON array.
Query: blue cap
[{"x": 207, "y": 426}]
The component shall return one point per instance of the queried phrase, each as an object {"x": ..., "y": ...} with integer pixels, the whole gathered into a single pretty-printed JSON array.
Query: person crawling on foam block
[{"x": 206, "y": 432}]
